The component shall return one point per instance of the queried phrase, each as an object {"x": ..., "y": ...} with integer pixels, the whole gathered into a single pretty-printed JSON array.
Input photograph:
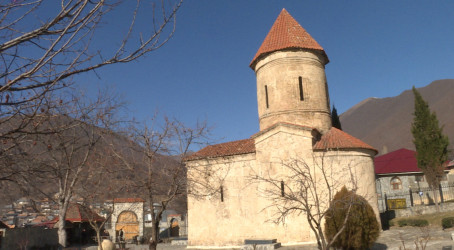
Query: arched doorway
[{"x": 127, "y": 221}]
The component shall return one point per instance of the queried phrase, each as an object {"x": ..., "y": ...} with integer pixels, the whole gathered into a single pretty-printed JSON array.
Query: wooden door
[{"x": 128, "y": 222}]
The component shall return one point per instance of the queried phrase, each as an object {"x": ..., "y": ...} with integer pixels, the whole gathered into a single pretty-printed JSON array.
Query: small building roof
[
  {"x": 245, "y": 146},
  {"x": 338, "y": 139},
  {"x": 286, "y": 33},
  {"x": 76, "y": 213},
  {"x": 3, "y": 225},
  {"x": 39, "y": 219},
  {"x": 399, "y": 161},
  {"x": 80, "y": 213},
  {"x": 450, "y": 164}
]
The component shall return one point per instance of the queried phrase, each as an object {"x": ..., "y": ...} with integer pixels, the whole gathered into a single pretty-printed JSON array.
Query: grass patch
[
  {"x": 413, "y": 222},
  {"x": 433, "y": 219}
]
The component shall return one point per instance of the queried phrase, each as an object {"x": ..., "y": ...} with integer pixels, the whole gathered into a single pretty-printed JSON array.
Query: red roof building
[
  {"x": 397, "y": 174},
  {"x": 78, "y": 213},
  {"x": 399, "y": 161}
]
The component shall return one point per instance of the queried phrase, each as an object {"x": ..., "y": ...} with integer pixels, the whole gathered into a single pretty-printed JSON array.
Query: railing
[{"x": 416, "y": 197}]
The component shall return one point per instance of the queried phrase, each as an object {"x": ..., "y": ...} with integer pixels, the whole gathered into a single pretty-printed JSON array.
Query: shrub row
[
  {"x": 413, "y": 222},
  {"x": 447, "y": 222}
]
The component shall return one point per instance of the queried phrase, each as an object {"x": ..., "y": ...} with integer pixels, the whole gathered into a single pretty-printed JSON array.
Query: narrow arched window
[
  {"x": 396, "y": 183},
  {"x": 266, "y": 97},
  {"x": 222, "y": 194},
  {"x": 300, "y": 85},
  {"x": 282, "y": 189}
]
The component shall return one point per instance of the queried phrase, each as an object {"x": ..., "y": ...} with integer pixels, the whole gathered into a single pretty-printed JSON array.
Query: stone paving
[
  {"x": 392, "y": 239},
  {"x": 389, "y": 239}
]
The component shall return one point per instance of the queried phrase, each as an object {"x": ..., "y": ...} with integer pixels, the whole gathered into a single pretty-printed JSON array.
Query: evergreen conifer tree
[
  {"x": 430, "y": 143},
  {"x": 335, "y": 119}
]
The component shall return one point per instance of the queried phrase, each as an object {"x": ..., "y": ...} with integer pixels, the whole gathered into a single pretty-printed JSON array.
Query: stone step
[
  {"x": 260, "y": 241},
  {"x": 261, "y": 246}
]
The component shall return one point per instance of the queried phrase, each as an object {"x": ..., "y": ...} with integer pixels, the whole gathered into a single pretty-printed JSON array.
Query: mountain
[
  {"x": 42, "y": 159},
  {"x": 385, "y": 123}
]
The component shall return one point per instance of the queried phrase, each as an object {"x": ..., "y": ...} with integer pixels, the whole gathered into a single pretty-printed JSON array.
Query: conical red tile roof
[
  {"x": 338, "y": 139},
  {"x": 286, "y": 33}
]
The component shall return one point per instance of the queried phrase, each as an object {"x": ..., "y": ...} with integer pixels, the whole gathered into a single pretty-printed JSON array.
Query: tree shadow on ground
[{"x": 379, "y": 246}]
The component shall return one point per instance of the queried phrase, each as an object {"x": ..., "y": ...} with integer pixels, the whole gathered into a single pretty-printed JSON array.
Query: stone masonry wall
[
  {"x": 280, "y": 72},
  {"x": 247, "y": 211},
  {"x": 213, "y": 222},
  {"x": 355, "y": 169},
  {"x": 26, "y": 238}
]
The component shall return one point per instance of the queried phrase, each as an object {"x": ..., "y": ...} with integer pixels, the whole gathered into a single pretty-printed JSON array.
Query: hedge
[
  {"x": 413, "y": 222},
  {"x": 447, "y": 222}
]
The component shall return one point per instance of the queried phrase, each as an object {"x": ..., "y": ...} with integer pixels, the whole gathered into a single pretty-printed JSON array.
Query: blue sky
[{"x": 376, "y": 49}]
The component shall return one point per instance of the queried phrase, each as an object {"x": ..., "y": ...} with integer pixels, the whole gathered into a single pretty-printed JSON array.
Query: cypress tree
[
  {"x": 335, "y": 119},
  {"x": 430, "y": 143}
]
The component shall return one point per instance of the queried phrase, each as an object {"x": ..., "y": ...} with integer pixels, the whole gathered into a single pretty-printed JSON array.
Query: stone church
[{"x": 236, "y": 186}]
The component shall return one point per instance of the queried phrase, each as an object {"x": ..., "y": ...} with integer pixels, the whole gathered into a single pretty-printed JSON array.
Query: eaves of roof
[
  {"x": 336, "y": 139},
  {"x": 239, "y": 147}
]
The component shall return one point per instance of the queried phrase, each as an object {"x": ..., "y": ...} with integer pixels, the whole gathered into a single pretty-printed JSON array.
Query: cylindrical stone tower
[{"x": 291, "y": 81}]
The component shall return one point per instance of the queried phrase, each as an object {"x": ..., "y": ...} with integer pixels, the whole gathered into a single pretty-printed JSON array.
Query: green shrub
[
  {"x": 412, "y": 223},
  {"x": 361, "y": 229},
  {"x": 402, "y": 223},
  {"x": 447, "y": 222}
]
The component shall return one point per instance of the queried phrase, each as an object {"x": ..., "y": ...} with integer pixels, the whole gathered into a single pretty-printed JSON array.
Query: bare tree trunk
[
  {"x": 155, "y": 218},
  {"x": 435, "y": 193},
  {"x": 61, "y": 229},
  {"x": 154, "y": 234},
  {"x": 98, "y": 236}
]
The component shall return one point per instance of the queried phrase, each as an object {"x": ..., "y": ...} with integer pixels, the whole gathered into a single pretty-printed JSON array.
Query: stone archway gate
[{"x": 128, "y": 215}]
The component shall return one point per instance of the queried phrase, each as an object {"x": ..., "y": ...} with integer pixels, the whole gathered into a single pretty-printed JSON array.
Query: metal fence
[{"x": 416, "y": 197}]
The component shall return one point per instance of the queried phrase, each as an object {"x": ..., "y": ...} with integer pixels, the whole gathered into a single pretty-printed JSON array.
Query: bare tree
[
  {"x": 160, "y": 171},
  {"x": 105, "y": 179},
  {"x": 45, "y": 45},
  {"x": 306, "y": 188},
  {"x": 64, "y": 149},
  {"x": 96, "y": 186},
  {"x": 41, "y": 49}
]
